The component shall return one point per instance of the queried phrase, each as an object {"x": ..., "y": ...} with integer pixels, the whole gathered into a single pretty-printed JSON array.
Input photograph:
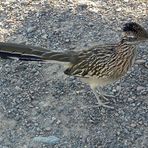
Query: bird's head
[{"x": 134, "y": 32}]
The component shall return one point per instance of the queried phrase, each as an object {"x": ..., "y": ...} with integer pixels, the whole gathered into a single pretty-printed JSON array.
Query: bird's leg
[
  {"x": 103, "y": 94},
  {"x": 100, "y": 103}
]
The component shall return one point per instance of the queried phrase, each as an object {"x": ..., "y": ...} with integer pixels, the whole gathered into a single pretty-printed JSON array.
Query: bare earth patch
[{"x": 37, "y": 100}]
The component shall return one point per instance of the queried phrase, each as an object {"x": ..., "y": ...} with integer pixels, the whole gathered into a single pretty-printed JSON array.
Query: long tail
[{"x": 31, "y": 53}]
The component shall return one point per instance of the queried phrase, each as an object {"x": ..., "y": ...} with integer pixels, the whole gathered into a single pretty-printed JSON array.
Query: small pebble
[
  {"x": 118, "y": 88},
  {"x": 118, "y": 9},
  {"x": 140, "y": 61},
  {"x": 133, "y": 125},
  {"x": 139, "y": 88},
  {"x": 44, "y": 36},
  {"x": 146, "y": 64},
  {"x": 31, "y": 29},
  {"x": 126, "y": 1}
]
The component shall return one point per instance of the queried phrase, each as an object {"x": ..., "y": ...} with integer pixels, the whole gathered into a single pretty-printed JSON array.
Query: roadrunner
[{"x": 97, "y": 66}]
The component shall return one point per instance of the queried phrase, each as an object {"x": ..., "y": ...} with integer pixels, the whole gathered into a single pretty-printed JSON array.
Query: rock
[
  {"x": 31, "y": 29},
  {"x": 51, "y": 140},
  {"x": 139, "y": 88},
  {"x": 118, "y": 9},
  {"x": 146, "y": 64},
  {"x": 44, "y": 36},
  {"x": 118, "y": 88},
  {"x": 82, "y": 7},
  {"x": 140, "y": 61},
  {"x": 126, "y": 1}
]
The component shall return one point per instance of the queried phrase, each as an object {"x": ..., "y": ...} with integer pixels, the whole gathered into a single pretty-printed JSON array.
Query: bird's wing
[{"x": 91, "y": 62}]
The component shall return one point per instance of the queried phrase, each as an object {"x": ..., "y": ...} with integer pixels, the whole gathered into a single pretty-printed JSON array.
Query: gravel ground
[{"x": 37, "y": 101}]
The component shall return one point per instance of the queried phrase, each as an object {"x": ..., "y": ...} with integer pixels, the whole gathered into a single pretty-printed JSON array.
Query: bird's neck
[
  {"x": 132, "y": 40},
  {"x": 127, "y": 47}
]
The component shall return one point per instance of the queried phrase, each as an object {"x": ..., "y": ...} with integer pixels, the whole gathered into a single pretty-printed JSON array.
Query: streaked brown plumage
[{"x": 98, "y": 66}]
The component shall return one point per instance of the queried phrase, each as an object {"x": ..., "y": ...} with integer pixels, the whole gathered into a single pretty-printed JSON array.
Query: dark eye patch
[{"x": 133, "y": 27}]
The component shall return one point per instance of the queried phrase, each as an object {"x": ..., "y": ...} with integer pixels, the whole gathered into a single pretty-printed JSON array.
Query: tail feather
[
  {"x": 31, "y": 53},
  {"x": 8, "y": 55}
]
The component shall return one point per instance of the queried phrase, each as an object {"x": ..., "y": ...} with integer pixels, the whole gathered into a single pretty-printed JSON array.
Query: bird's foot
[
  {"x": 104, "y": 105},
  {"x": 106, "y": 96}
]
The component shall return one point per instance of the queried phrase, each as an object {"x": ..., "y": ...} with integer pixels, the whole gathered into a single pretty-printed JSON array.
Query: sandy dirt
[{"x": 37, "y": 99}]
